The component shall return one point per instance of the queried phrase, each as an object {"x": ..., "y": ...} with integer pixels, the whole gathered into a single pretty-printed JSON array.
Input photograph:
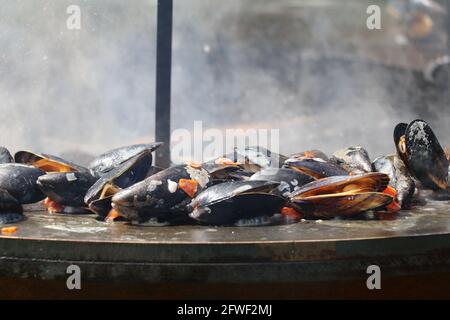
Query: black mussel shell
[
  {"x": 123, "y": 176},
  {"x": 5, "y": 156},
  {"x": 10, "y": 208},
  {"x": 20, "y": 182},
  {"x": 254, "y": 158},
  {"x": 399, "y": 139},
  {"x": 290, "y": 180},
  {"x": 315, "y": 167},
  {"x": 243, "y": 206},
  {"x": 160, "y": 192},
  {"x": 67, "y": 188},
  {"x": 425, "y": 158},
  {"x": 101, "y": 206},
  {"x": 46, "y": 162},
  {"x": 221, "y": 171},
  {"x": 114, "y": 158},
  {"x": 226, "y": 203}
]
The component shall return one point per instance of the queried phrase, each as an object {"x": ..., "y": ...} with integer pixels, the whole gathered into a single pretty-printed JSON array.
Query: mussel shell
[
  {"x": 101, "y": 206},
  {"x": 343, "y": 205},
  {"x": 399, "y": 175},
  {"x": 353, "y": 159},
  {"x": 318, "y": 154},
  {"x": 67, "y": 189},
  {"x": 255, "y": 158},
  {"x": 315, "y": 167},
  {"x": 370, "y": 182},
  {"x": 227, "y": 190},
  {"x": 20, "y": 182},
  {"x": 240, "y": 206},
  {"x": 30, "y": 158},
  {"x": 425, "y": 158},
  {"x": 10, "y": 209},
  {"x": 114, "y": 158},
  {"x": 399, "y": 132},
  {"x": 8, "y": 203},
  {"x": 290, "y": 180},
  {"x": 160, "y": 192},
  {"x": 5, "y": 156},
  {"x": 220, "y": 171},
  {"x": 123, "y": 176}
]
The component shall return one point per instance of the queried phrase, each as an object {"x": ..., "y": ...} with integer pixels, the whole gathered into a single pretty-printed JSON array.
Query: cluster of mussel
[{"x": 253, "y": 186}]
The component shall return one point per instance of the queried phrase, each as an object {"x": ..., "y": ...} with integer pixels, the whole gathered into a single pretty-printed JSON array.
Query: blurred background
[{"x": 309, "y": 68}]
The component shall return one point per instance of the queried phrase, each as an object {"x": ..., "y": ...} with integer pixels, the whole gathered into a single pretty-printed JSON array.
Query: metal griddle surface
[{"x": 433, "y": 218}]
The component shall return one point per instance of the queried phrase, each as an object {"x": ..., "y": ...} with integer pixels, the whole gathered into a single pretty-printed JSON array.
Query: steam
[{"x": 296, "y": 66}]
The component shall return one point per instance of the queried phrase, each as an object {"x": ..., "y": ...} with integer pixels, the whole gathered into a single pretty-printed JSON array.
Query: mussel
[
  {"x": 163, "y": 194},
  {"x": 17, "y": 186},
  {"x": 400, "y": 178},
  {"x": 420, "y": 150},
  {"x": 342, "y": 195},
  {"x": 290, "y": 180},
  {"x": 253, "y": 159},
  {"x": 10, "y": 209},
  {"x": 46, "y": 162},
  {"x": 230, "y": 202},
  {"x": 353, "y": 159},
  {"x": 65, "y": 183},
  {"x": 99, "y": 195},
  {"x": 20, "y": 182},
  {"x": 223, "y": 169},
  {"x": 113, "y": 158},
  {"x": 65, "y": 191},
  {"x": 310, "y": 154},
  {"x": 315, "y": 167}
]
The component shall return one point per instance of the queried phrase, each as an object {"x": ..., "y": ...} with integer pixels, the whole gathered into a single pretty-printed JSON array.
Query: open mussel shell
[
  {"x": 162, "y": 192},
  {"x": 46, "y": 162},
  {"x": 19, "y": 181},
  {"x": 290, "y": 180},
  {"x": 426, "y": 159},
  {"x": 101, "y": 206},
  {"x": 315, "y": 167},
  {"x": 341, "y": 204},
  {"x": 5, "y": 156},
  {"x": 10, "y": 208},
  {"x": 67, "y": 188},
  {"x": 368, "y": 182},
  {"x": 114, "y": 158},
  {"x": 399, "y": 139},
  {"x": 123, "y": 176},
  {"x": 353, "y": 159},
  {"x": 221, "y": 170},
  {"x": 342, "y": 196},
  {"x": 229, "y": 202}
]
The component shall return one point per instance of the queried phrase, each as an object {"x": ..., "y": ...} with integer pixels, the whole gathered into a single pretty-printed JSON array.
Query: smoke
[{"x": 298, "y": 66}]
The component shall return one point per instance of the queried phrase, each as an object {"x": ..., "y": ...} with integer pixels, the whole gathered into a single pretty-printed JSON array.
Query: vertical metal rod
[
  {"x": 448, "y": 26},
  {"x": 163, "y": 80}
]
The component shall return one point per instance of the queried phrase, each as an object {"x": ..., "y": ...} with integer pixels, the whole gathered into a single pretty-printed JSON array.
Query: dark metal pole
[
  {"x": 163, "y": 79},
  {"x": 448, "y": 26}
]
